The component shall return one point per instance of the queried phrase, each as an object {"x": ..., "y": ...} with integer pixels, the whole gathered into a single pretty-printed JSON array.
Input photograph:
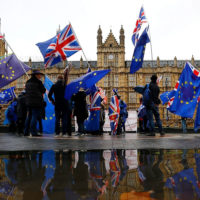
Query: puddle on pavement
[{"x": 102, "y": 175}]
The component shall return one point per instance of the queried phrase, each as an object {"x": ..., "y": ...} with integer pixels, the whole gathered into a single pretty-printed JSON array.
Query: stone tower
[
  {"x": 111, "y": 55},
  {"x": 3, "y": 48}
]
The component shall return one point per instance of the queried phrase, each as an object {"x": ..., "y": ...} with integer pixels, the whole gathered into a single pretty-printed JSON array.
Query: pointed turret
[
  {"x": 99, "y": 36},
  {"x": 122, "y": 37}
]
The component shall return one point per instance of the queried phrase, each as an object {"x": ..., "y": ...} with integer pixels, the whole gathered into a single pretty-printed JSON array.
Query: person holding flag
[
  {"x": 93, "y": 122},
  {"x": 114, "y": 112}
]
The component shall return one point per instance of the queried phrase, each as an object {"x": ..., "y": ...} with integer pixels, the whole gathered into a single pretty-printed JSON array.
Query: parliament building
[{"x": 111, "y": 55}]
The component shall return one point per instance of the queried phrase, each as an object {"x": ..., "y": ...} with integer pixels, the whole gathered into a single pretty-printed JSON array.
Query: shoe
[
  {"x": 56, "y": 136},
  {"x": 37, "y": 135},
  {"x": 65, "y": 136},
  {"x": 151, "y": 134},
  {"x": 162, "y": 133}
]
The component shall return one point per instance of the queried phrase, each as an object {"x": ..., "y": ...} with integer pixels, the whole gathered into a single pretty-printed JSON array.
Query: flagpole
[
  {"x": 80, "y": 45},
  {"x": 16, "y": 57},
  {"x": 150, "y": 41}
]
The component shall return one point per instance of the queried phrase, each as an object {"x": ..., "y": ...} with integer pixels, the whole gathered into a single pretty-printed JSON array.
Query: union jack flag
[
  {"x": 60, "y": 47},
  {"x": 141, "y": 19},
  {"x": 114, "y": 168},
  {"x": 114, "y": 111}
]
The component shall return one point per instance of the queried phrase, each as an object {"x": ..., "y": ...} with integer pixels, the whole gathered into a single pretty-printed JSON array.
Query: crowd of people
[{"x": 25, "y": 113}]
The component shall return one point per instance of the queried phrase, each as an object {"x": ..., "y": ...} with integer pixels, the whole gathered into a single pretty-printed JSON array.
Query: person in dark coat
[
  {"x": 152, "y": 108},
  {"x": 11, "y": 115},
  {"x": 62, "y": 106},
  {"x": 34, "y": 101},
  {"x": 21, "y": 112},
  {"x": 80, "y": 110}
]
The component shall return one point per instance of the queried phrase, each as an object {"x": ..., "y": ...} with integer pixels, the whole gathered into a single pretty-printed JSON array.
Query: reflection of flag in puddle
[
  {"x": 6, "y": 188},
  {"x": 184, "y": 184},
  {"x": 114, "y": 168}
]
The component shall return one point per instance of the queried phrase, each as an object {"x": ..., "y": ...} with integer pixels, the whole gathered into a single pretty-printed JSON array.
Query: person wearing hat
[
  {"x": 152, "y": 108},
  {"x": 34, "y": 102}
]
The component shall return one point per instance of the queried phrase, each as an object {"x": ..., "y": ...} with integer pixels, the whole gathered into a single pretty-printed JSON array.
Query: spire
[
  {"x": 192, "y": 60},
  {"x": 122, "y": 37},
  {"x": 99, "y": 36},
  {"x": 58, "y": 30},
  {"x": 175, "y": 61}
]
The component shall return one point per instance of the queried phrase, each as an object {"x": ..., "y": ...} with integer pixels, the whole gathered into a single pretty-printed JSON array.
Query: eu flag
[
  {"x": 7, "y": 95},
  {"x": 138, "y": 54},
  {"x": 187, "y": 93},
  {"x": 86, "y": 82},
  {"x": 49, "y": 122},
  {"x": 197, "y": 118},
  {"x": 11, "y": 69},
  {"x": 166, "y": 96}
]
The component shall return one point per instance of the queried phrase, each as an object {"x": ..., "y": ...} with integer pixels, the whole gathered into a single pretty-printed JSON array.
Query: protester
[
  {"x": 123, "y": 116},
  {"x": 62, "y": 107},
  {"x": 11, "y": 115},
  {"x": 152, "y": 106},
  {"x": 92, "y": 124},
  {"x": 141, "y": 111},
  {"x": 184, "y": 125},
  {"x": 102, "y": 117},
  {"x": 114, "y": 112},
  {"x": 80, "y": 110},
  {"x": 34, "y": 101},
  {"x": 21, "y": 112}
]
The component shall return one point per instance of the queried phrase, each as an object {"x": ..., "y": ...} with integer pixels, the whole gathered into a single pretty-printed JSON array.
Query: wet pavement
[
  {"x": 100, "y": 175},
  {"x": 11, "y": 142}
]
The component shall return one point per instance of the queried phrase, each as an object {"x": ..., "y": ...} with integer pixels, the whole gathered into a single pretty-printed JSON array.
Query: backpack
[{"x": 147, "y": 100}]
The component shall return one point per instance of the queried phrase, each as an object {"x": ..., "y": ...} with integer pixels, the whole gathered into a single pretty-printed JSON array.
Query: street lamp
[{"x": 166, "y": 85}]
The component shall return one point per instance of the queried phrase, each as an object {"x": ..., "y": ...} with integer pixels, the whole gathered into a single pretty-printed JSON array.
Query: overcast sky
[{"x": 174, "y": 25}]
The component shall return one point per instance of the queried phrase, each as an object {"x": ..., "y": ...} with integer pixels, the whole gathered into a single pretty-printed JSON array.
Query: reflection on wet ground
[{"x": 102, "y": 175}]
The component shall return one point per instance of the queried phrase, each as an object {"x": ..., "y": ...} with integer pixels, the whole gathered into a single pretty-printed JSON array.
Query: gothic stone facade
[{"x": 111, "y": 55}]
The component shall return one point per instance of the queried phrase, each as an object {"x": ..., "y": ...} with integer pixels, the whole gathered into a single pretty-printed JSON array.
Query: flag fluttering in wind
[
  {"x": 138, "y": 54},
  {"x": 49, "y": 122},
  {"x": 60, "y": 47},
  {"x": 11, "y": 69},
  {"x": 166, "y": 96},
  {"x": 187, "y": 92},
  {"x": 7, "y": 95},
  {"x": 141, "y": 19},
  {"x": 86, "y": 82}
]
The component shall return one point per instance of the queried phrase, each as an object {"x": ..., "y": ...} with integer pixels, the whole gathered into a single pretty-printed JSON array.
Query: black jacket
[
  {"x": 155, "y": 90},
  {"x": 21, "y": 106},
  {"x": 34, "y": 92},
  {"x": 80, "y": 105},
  {"x": 58, "y": 90}
]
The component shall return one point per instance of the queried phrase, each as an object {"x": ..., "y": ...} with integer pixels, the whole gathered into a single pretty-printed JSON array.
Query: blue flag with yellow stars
[
  {"x": 7, "y": 95},
  {"x": 86, "y": 82},
  {"x": 49, "y": 122},
  {"x": 197, "y": 118},
  {"x": 166, "y": 96},
  {"x": 11, "y": 69},
  {"x": 138, "y": 54},
  {"x": 184, "y": 184},
  {"x": 188, "y": 91}
]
